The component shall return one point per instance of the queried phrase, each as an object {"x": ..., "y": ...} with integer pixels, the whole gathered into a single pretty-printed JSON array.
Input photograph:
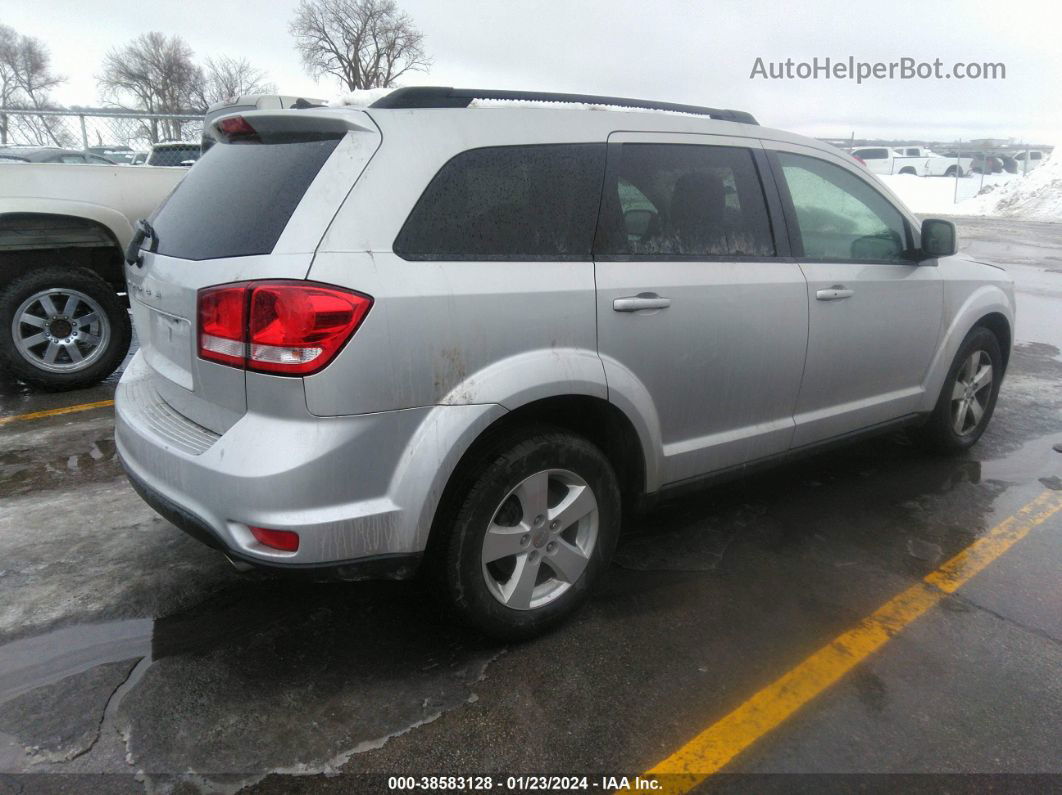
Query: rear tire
[
  {"x": 968, "y": 396},
  {"x": 908, "y": 170},
  {"x": 952, "y": 171},
  {"x": 84, "y": 347},
  {"x": 536, "y": 526}
]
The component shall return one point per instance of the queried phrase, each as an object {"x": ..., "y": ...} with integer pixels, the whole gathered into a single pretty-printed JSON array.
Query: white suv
[{"x": 427, "y": 336}]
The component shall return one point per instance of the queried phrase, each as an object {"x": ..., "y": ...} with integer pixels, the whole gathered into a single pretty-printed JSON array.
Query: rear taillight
[
  {"x": 290, "y": 328},
  {"x": 223, "y": 324}
]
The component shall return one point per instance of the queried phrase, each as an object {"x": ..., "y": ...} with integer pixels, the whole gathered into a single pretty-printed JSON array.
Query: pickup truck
[
  {"x": 915, "y": 160},
  {"x": 64, "y": 319}
]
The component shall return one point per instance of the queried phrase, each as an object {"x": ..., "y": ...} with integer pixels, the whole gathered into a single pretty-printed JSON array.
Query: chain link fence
[{"x": 96, "y": 128}]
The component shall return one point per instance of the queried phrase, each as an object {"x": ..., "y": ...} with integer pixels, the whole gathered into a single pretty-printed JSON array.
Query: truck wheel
[
  {"x": 535, "y": 528},
  {"x": 62, "y": 328},
  {"x": 953, "y": 171},
  {"x": 908, "y": 170}
]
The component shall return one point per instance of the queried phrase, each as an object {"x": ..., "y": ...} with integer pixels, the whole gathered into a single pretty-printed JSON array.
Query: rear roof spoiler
[
  {"x": 275, "y": 125},
  {"x": 445, "y": 97}
]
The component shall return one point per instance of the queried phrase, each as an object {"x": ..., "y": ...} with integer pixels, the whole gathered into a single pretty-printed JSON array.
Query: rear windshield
[{"x": 238, "y": 199}]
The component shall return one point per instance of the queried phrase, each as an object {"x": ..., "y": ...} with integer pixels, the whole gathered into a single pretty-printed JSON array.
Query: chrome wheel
[
  {"x": 971, "y": 393},
  {"x": 540, "y": 540},
  {"x": 60, "y": 330}
]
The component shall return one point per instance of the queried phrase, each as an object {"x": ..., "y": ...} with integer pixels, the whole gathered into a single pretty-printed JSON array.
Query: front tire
[
  {"x": 62, "y": 328},
  {"x": 536, "y": 527},
  {"x": 968, "y": 396}
]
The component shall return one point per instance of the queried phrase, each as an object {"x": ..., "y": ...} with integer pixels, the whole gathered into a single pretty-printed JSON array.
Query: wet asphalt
[{"x": 133, "y": 658}]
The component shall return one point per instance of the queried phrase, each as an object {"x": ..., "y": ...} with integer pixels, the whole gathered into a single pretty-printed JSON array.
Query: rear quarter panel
[{"x": 451, "y": 333}]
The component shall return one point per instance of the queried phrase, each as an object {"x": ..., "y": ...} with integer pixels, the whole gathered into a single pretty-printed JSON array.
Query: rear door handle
[
  {"x": 636, "y": 303},
  {"x": 834, "y": 293}
]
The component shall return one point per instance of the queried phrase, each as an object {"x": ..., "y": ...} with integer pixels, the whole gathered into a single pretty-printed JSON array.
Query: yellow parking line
[
  {"x": 37, "y": 415},
  {"x": 714, "y": 747}
]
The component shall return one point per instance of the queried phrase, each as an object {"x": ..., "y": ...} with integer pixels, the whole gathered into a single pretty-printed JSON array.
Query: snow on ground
[
  {"x": 937, "y": 195},
  {"x": 1035, "y": 196}
]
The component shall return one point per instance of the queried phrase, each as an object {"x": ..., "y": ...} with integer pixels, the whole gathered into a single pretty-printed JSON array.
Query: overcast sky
[{"x": 694, "y": 52}]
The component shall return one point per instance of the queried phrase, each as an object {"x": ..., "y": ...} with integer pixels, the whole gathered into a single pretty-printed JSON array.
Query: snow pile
[
  {"x": 1036, "y": 196},
  {"x": 360, "y": 98},
  {"x": 938, "y": 195}
]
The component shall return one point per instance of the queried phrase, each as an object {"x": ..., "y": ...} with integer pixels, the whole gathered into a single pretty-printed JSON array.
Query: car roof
[{"x": 484, "y": 126}]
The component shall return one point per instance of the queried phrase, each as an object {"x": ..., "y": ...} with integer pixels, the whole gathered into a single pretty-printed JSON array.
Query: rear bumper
[
  {"x": 358, "y": 490},
  {"x": 377, "y": 567}
]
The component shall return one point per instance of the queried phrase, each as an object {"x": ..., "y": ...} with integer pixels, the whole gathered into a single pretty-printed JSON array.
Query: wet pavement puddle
[{"x": 314, "y": 672}]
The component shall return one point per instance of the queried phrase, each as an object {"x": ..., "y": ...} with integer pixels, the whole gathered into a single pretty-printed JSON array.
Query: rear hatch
[{"x": 254, "y": 207}]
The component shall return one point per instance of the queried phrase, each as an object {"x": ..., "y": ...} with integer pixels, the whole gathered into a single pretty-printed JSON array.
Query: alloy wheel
[
  {"x": 60, "y": 330},
  {"x": 540, "y": 539},
  {"x": 971, "y": 393}
]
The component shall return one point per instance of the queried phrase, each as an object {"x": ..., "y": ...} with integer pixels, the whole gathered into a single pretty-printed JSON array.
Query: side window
[
  {"x": 684, "y": 200},
  {"x": 71, "y": 159},
  {"x": 1035, "y": 156},
  {"x": 508, "y": 202},
  {"x": 872, "y": 154},
  {"x": 840, "y": 216}
]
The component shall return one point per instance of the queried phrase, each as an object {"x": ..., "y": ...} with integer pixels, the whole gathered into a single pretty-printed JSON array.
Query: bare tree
[
  {"x": 156, "y": 74},
  {"x": 8, "y": 48},
  {"x": 8, "y": 42},
  {"x": 364, "y": 43},
  {"x": 26, "y": 77},
  {"x": 227, "y": 78}
]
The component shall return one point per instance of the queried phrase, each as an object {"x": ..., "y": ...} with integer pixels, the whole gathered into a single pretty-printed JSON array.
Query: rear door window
[
  {"x": 685, "y": 201},
  {"x": 535, "y": 202},
  {"x": 238, "y": 199}
]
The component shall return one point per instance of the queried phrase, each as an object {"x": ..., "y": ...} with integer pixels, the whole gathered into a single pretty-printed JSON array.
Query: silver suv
[{"x": 430, "y": 337}]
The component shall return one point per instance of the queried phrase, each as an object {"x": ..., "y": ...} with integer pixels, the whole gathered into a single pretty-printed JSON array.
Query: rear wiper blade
[{"x": 143, "y": 230}]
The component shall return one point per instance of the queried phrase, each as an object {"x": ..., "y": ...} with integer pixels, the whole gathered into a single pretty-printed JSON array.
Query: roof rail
[{"x": 445, "y": 97}]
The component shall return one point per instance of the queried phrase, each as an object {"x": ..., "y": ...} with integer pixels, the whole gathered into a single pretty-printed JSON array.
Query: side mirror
[{"x": 938, "y": 238}]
